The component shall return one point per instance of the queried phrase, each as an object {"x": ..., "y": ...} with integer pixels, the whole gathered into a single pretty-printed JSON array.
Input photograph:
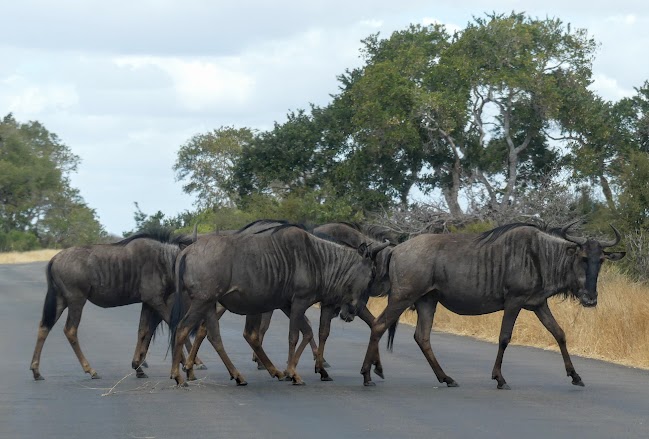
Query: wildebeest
[
  {"x": 512, "y": 267},
  {"x": 289, "y": 269},
  {"x": 133, "y": 270},
  {"x": 346, "y": 234}
]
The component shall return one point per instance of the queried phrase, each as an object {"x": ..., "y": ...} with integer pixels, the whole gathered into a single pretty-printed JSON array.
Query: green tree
[{"x": 207, "y": 162}]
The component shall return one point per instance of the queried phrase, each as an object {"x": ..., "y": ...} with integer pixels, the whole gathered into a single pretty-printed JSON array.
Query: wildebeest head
[
  {"x": 588, "y": 255},
  {"x": 361, "y": 284}
]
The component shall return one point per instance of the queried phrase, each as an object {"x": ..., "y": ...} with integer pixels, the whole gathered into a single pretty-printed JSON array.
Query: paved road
[{"x": 409, "y": 403}]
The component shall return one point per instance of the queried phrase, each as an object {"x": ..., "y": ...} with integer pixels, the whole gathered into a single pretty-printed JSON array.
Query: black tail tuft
[
  {"x": 178, "y": 309},
  {"x": 391, "y": 331},
  {"x": 49, "y": 307}
]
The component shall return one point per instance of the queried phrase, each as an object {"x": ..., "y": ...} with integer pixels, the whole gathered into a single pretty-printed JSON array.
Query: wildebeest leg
[
  {"x": 71, "y": 325},
  {"x": 545, "y": 316},
  {"x": 426, "y": 306},
  {"x": 297, "y": 322},
  {"x": 327, "y": 313},
  {"x": 195, "y": 314},
  {"x": 144, "y": 335},
  {"x": 263, "y": 328},
  {"x": 391, "y": 314},
  {"x": 192, "y": 348},
  {"x": 43, "y": 332},
  {"x": 214, "y": 336},
  {"x": 251, "y": 334},
  {"x": 506, "y": 328},
  {"x": 365, "y": 315},
  {"x": 201, "y": 333}
]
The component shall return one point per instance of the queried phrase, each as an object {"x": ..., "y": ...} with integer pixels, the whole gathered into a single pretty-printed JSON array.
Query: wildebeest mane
[
  {"x": 491, "y": 235},
  {"x": 320, "y": 235},
  {"x": 260, "y": 222},
  {"x": 164, "y": 235}
]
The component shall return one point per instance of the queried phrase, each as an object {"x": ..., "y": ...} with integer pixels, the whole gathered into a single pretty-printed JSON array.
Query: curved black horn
[
  {"x": 575, "y": 239},
  {"x": 375, "y": 250},
  {"x": 195, "y": 233},
  {"x": 616, "y": 241}
]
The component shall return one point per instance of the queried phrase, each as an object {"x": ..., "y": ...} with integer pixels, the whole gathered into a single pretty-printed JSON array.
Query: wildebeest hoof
[
  {"x": 144, "y": 364},
  {"x": 326, "y": 378},
  {"x": 298, "y": 382},
  {"x": 379, "y": 372},
  {"x": 452, "y": 384},
  {"x": 191, "y": 378},
  {"x": 140, "y": 374},
  {"x": 95, "y": 376},
  {"x": 201, "y": 366},
  {"x": 38, "y": 377},
  {"x": 369, "y": 383},
  {"x": 183, "y": 385},
  {"x": 579, "y": 383},
  {"x": 260, "y": 366},
  {"x": 326, "y": 365},
  {"x": 287, "y": 378},
  {"x": 504, "y": 386}
]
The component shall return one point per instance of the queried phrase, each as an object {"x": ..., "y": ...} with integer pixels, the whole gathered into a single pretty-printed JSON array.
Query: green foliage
[
  {"x": 36, "y": 200},
  {"x": 634, "y": 195},
  {"x": 208, "y": 161}
]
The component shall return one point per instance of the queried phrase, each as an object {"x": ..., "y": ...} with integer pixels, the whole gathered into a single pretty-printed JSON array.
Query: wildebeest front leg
[
  {"x": 148, "y": 316},
  {"x": 391, "y": 314},
  {"x": 251, "y": 334},
  {"x": 425, "y": 314},
  {"x": 71, "y": 325},
  {"x": 297, "y": 323},
  {"x": 327, "y": 313},
  {"x": 43, "y": 332},
  {"x": 365, "y": 315},
  {"x": 545, "y": 316},
  {"x": 506, "y": 328},
  {"x": 214, "y": 336}
]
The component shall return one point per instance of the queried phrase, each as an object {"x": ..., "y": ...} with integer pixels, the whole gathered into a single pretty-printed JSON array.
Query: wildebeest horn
[
  {"x": 375, "y": 250},
  {"x": 567, "y": 237},
  {"x": 195, "y": 233},
  {"x": 616, "y": 241}
]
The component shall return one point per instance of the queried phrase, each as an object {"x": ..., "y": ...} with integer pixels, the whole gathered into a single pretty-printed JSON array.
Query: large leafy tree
[
  {"x": 36, "y": 197},
  {"x": 494, "y": 100},
  {"x": 207, "y": 163}
]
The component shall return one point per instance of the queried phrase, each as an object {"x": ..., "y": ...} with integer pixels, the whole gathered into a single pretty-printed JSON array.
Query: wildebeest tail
[
  {"x": 391, "y": 331},
  {"x": 49, "y": 307},
  {"x": 178, "y": 309}
]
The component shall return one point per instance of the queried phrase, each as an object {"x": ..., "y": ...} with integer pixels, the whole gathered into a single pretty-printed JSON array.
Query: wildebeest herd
[{"x": 189, "y": 281}]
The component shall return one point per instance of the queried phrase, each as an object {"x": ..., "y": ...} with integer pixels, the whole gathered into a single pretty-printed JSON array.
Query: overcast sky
[{"x": 125, "y": 83}]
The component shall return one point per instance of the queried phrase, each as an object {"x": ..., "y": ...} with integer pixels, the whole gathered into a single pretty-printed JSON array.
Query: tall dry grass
[
  {"x": 24, "y": 257},
  {"x": 617, "y": 330}
]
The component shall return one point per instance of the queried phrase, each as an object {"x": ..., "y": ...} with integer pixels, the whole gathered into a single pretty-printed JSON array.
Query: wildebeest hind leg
[
  {"x": 43, "y": 332},
  {"x": 425, "y": 314},
  {"x": 251, "y": 334},
  {"x": 506, "y": 328},
  {"x": 197, "y": 311},
  {"x": 545, "y": 316},
  {"x": 71, "y": 325},
  {"x": 263, "y": 328},
  {"x": 327, "y": 313},
  {"x": 192, "y": 348},
  {"x": 214, "y": 336}
]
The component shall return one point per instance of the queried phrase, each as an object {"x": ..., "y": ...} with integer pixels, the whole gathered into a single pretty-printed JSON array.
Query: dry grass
[
  {"x": 617, "y": 330},
  {"x": 24, "y": 257}
]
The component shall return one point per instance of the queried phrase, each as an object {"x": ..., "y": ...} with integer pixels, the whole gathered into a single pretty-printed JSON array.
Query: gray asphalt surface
[{"x": 409, "y": 403}]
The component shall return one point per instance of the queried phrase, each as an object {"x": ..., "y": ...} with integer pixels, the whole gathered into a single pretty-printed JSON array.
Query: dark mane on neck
[
  {"x": 493, "y": 234},
  {"x": 261, "y": 222},
  {"x": 161, "y": 234}
]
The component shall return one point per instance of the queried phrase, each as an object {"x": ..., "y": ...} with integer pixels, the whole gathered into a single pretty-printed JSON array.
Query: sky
[{"x": 125, "y": 83}]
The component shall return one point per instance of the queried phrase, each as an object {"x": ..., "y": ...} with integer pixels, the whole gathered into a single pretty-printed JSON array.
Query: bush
[{"x": 18, "y": 241}]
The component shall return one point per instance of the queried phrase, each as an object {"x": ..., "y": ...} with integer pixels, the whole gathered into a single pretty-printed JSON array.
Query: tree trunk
[{"x": 608, "y": 193}]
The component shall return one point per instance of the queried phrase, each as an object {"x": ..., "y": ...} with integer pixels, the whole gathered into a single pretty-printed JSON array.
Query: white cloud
[
  {"x": 450, "y": 27},
  {"x": 201, "y": 84},
  {"x": 609, "y": 88},
  {"x": 33, "y": 99}
]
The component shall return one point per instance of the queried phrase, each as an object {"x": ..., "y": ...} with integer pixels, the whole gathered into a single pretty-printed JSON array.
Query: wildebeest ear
[
  {"x": 614, "y": 256},
  {"x": 362, "y": 249}
]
